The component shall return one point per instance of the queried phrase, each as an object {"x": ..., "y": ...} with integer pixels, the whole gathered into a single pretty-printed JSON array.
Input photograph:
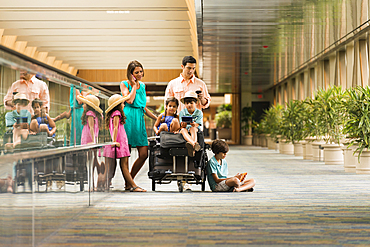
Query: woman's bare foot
[{"x": 137, "y": 189}]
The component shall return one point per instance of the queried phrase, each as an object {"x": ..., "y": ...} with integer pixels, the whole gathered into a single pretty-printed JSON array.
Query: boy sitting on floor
[{"x": 217, "y": 172}]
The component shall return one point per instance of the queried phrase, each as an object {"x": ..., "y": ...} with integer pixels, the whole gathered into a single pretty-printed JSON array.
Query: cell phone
[
  {"x": 187, "y": 119},
  {"x": 198, "y": 91},
  {"x": 133, "y": 77},
  {"x": 243, "y": 176}
]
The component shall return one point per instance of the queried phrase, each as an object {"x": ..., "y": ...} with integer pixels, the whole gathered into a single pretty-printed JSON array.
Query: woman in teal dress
[
  {"x": 76, "y": 114},
  {"x": 134, "y": 110}
]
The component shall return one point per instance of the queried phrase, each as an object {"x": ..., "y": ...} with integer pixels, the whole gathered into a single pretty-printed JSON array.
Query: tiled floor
[{"x": 296, "y": 202}]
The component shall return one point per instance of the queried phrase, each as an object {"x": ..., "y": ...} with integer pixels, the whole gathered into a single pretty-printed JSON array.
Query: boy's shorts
[{"x": 223, "y": 187}]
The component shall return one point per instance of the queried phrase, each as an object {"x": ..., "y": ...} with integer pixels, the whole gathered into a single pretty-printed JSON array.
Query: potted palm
[
  {"x": 331, "y": 114},
  {"x": 293, "y": 127},
  {"x": 357, "y": 126},
  {"x": 223, "y": 121},
  {"x": 272, "y": 122},
  {"x": 246, "y": 119}
]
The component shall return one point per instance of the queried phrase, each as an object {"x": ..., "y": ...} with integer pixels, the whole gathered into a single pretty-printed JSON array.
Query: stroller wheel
[{"x": 153, "y": 184}]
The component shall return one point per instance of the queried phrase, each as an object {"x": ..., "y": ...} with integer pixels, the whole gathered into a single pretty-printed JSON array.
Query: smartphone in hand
[{"x": 133, "y": 77}]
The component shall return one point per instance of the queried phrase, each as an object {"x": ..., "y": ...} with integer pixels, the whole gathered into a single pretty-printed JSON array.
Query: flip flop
[
  {"x": 133, "y": 189},
  {"x": 191, "y": 151}
]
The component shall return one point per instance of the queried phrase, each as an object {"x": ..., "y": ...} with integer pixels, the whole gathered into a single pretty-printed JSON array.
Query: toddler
[
  {"x": 168, "y": 121},
  {"x": 41, "y": 122}
]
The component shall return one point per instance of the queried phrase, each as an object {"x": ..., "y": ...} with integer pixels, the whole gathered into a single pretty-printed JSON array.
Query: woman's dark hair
[
  {"x": 84, "y": 117},
  {"x": 171, "y": 99},
  {"x": 109, "y": 114},
  {"x": 188, "y": 59},
  {"x": 219, "y": 146},
  {"x": 131, "y": 67}
]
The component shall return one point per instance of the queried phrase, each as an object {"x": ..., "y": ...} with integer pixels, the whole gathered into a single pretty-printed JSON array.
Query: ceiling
[{"x": 94, "y": 34}]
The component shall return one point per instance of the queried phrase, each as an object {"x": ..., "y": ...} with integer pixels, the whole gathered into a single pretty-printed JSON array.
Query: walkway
[{"x": 296, "y": 202}]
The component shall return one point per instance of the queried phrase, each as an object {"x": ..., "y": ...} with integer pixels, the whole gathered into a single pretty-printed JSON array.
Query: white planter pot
[
  {"x": 263, "y": 140},
  {"x": 333, "y": 154},
  {"x": 298, "y": 149},
  {"x": 363, "y": 167},
  {"x": 287, "y": 148},
  {"x": 281, "y": 147},
  {"x": 349, "y": 160},
  {"x": 247, "y": 140},
  {"x": 270, "y": 143},
  {"x": 317, "y": 154},
  {"x": 309, "y": 155}
]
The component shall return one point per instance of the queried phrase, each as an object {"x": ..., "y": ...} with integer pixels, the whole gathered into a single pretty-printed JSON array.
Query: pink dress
[
  {"x": 122, "y": 150},
  {"x": 86, "y": 136}
]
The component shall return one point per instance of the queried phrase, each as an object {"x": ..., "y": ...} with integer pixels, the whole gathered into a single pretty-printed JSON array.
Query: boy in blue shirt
[
  {"x": 190, "y": 101},
  {"x": 217, "y": 172}
]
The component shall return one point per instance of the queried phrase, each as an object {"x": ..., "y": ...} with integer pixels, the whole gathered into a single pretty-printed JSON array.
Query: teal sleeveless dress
[
  {"x": 76, "y": 114},
  {"x": 135, "y": 124}
]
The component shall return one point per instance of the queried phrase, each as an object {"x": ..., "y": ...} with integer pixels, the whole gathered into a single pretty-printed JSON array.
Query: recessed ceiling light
[{"x": 118, "y": 12}]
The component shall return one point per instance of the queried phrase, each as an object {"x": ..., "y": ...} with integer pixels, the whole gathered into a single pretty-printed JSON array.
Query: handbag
[{"x": 170, "y": 140}]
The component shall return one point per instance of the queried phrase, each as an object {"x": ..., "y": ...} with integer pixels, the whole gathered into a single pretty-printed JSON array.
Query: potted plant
[
  {"x": 272, "y": 122},
  {"x": 331, "y": 114},
  {"x": 223, "y": 121},
  {"x": 357, "y": 126},
  {"x": 246, "y": 119},
  {"x": 293, "y": 127}
]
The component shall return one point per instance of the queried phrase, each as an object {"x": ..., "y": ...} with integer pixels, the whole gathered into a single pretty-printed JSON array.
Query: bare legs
[
  {"x": 139, "y": 162},
  {"x": 127, "y": 175},
  {"x": 192, "y": 137},
  {"x": 174, "y": 126},
  {"x": 240, "y": 186}
]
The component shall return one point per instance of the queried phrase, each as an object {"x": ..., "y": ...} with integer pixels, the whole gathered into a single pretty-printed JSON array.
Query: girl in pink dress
[
  {"x": 91, "y": 118},
  {"x": 114, "y": 121}
]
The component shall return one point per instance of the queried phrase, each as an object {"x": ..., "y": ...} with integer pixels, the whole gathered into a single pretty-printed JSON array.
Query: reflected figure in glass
[
  {"x": 41, "y": 121},
  {"x": 91, "y": 119},
  {"x": 30, "y": 86}
]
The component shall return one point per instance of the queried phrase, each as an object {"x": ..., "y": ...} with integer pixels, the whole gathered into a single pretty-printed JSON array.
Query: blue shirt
[
  {"x": 197, "y": 117},
  {"x": 214, "y": 167},
  {"x": 11, "y": 117}
]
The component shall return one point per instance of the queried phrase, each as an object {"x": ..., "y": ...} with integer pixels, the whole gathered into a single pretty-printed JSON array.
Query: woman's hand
[{"x": 183, "y": 125}]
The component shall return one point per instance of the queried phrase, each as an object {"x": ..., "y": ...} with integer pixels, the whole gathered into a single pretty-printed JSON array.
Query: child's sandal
[{"x": 191, "y": 151}]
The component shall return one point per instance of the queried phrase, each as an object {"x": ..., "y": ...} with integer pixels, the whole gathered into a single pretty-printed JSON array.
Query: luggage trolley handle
[
  {"x": 186, "y": 164},
  {"x": 174, "y": 152}
]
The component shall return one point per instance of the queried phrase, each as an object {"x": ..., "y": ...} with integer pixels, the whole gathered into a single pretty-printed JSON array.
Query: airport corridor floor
[{"x": 296, "y": 202}]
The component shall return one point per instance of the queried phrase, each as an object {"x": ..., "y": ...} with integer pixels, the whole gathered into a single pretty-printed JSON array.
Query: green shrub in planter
[
  {"x": 311, "y": 118},
  {"x": 223, "y": 119},
  {"x": 292, "y": 127},
  {"x": 246, "y": 119},
  {"x": 331, "y": 113},
  {"x": 272, "y": 121},
  {"x": 357, "y": 126}
]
